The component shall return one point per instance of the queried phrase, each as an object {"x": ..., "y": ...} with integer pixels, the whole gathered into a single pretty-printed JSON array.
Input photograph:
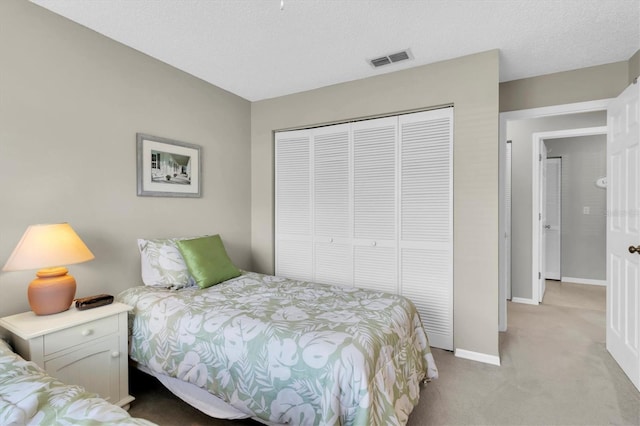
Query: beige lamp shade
[
  {"x": 48, "y": 248},
  {"x": 45, "y": 246}
]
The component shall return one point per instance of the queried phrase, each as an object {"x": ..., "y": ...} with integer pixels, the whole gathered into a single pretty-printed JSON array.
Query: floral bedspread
[
  {"x": 286, "y": 351},
  {"x": 29, "y": 396}
]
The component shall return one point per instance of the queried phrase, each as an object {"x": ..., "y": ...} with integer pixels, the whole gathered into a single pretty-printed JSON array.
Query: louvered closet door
[
  {"x": 426, "y": 231},
  {"x": 331, "y": 205},
  {"x": 293, "y": 215},
  {"x": 374, "y": 204},
  {"x": 369, "y": 204}
]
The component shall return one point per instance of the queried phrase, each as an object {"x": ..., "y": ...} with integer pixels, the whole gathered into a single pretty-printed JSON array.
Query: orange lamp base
[{"x": 52, "y": 292}]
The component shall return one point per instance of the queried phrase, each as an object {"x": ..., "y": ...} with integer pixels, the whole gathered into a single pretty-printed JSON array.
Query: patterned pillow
[{"x": 162, "y": 264}]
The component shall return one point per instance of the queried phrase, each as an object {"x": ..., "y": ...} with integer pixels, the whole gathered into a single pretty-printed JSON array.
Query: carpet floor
[{"x": 555, "y": 371}]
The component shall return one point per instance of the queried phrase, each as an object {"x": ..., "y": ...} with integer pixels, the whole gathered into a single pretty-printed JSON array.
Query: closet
[{"x": 370, "y": 204}]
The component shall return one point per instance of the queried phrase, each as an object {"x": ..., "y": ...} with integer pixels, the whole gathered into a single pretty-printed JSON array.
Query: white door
[
  {"x": 623, "y": 231},
  {"x": 426, "y": 220},
  {"x": 553, "y": 218},
  {"x": 542, "y": 219},
  {"x": 293, "y": 214},
  {"x": 374, "y": 204},
  {"x": 331, "y": 207}
]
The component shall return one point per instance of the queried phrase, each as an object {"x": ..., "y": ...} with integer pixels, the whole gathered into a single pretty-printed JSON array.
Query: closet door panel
[
  {"x": 374, "y": 179},
  {"x": 375, "y": 268},
  {"x": 375, "y": 204},
  {"x": 332, "y": 186},
  {"x": 293, "y": 215},
  {"x": 426, "y": 284},
  {"x": 332, "y": 207},
  {"x": 293, "y": 185},
  {"x": 294, "y": 259},
  {"x": 426, "y": 184},
  {"x": 426, "y": 220},
  {"x": 334, "y": 263}
]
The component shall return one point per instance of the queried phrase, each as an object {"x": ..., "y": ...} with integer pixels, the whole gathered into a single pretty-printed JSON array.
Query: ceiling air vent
[{"x": 391, "y": 58}]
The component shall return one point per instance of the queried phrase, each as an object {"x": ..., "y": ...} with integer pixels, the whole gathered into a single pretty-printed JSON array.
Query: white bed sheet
[{"x": 197, "y": 397}]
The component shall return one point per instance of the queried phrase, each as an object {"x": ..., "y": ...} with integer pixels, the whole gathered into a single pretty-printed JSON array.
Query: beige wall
[
  {"x": 471, "y": 85},
  {"x": 71, "y": 102},
  {"x": 586, "y": 84},
  {"x": 634, "y": 67}
]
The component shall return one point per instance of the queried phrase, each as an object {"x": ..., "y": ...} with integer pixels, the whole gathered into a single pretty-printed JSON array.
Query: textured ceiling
[{"x": 256, "y": 50}]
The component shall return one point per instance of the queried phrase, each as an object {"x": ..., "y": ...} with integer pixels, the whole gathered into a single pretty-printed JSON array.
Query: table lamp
[{"x": 47, "y": 247}]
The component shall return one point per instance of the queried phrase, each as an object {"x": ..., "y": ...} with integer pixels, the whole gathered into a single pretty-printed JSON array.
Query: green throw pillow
[{"x": 207, "y": 260}]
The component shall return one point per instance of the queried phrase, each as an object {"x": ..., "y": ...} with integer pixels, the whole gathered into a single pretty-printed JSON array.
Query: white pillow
[{"x": 162, "y": 264}]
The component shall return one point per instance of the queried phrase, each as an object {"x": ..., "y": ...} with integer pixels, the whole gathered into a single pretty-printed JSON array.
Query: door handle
[
  {"x": 633, "y": 249},
  {"x": 547, "y": 227}
]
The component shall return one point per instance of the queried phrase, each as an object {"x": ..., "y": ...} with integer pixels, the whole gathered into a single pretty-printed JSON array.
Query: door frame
[
  {"x": 504, "y": 268},
  {"x": 537, "y": 248},
  {"x": 558, "y": 186}
]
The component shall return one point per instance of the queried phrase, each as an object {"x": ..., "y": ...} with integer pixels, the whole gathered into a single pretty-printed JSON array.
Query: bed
[
  {"x": 29, "y": 396},
  {"x": 283, "y": 351}
]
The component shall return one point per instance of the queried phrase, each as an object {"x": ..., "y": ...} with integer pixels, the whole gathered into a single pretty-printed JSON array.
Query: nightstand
[{"x": 87, "y": 348}]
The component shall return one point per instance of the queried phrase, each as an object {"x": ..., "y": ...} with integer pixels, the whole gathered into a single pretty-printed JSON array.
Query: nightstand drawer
[{"x": 79, "y": 334}]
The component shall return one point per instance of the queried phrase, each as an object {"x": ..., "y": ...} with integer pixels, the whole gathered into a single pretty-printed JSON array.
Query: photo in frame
[{"x": 167, "y": 168}]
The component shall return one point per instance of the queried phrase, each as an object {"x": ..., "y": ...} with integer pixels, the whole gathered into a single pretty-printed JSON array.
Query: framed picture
[{"x": 167, "y": 168}]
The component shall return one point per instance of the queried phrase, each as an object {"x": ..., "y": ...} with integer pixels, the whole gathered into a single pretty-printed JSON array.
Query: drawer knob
[
  {"x": 87, "y": 332},
  {"x": 115, "y": 354}
]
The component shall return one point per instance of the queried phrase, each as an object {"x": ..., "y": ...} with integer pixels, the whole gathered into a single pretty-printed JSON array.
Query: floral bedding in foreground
[
  {"x": 287, "y": 351},
  {"x": 29, "y": 396}
]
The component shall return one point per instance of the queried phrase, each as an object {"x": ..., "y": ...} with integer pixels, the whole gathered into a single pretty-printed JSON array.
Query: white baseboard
[
  {"x": 584, "y": 281},
  {"x": 477, "y": 356},
  {"x": 523, "y": 300}
]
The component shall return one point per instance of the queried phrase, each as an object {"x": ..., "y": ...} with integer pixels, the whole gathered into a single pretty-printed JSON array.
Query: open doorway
[
  {"x": 622, "y": 224},
  {"x": 517, "y": 273},
  {"x": 584, "y": 248}
]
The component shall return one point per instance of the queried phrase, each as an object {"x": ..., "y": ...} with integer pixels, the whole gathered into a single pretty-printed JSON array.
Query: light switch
[{"x": 586, "y": 210}]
